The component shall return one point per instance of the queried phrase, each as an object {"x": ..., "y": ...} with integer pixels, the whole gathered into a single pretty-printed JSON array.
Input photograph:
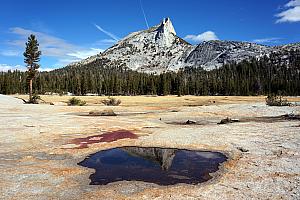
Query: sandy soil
[{"x": 37, "y": 160}]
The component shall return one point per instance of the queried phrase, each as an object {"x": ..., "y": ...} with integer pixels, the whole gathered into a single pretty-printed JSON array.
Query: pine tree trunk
[{"x": 30, "y": 90}]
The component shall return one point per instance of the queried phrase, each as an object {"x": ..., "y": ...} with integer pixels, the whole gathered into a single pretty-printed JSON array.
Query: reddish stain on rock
[{"x": 105, "y": 137}]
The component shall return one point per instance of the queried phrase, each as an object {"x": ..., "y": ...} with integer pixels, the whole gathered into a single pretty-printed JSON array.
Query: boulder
[
  {"x": 190, "y": 122},
  {"x": 107, "y": 112},
  {"x": 228, "y": 120}
]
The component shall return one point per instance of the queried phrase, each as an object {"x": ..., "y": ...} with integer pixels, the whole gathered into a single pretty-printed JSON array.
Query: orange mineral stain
[{"x": 105, "y": 137}]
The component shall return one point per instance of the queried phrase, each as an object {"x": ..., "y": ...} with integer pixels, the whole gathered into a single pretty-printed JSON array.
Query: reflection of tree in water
[{"x": 162, "y": 156}]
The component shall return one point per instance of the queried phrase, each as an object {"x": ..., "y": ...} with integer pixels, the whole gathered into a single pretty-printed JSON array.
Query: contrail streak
[
  {"x": 144, "y": 14},
  {"x": 107, "y": 33}
]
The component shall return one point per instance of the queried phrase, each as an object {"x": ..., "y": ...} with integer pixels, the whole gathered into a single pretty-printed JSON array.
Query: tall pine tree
[{"x": 32, "y": 57}]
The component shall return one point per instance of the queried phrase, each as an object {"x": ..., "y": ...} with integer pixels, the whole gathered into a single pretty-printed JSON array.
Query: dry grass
[{"x": 162, "y": 101}]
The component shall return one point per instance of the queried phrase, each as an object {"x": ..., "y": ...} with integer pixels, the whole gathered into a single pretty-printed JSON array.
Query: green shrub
[
  {"x": 76, "y": 102},
  {"x": 274, "y": 100},
  {"x": 111, "y": 101}
]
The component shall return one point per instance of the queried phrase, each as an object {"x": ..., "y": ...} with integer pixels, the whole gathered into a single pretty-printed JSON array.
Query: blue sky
[{"x": 72, "y": 30}]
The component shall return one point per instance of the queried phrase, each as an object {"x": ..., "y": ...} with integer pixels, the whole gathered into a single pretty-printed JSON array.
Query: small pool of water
[{"x": 163, "y": 166}]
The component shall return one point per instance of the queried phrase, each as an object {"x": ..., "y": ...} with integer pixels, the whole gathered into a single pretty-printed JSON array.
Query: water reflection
[{"x": 163, "y": 166}]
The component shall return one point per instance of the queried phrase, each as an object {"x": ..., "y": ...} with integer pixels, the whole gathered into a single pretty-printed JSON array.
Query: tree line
[{"x": 276, "y": 74}]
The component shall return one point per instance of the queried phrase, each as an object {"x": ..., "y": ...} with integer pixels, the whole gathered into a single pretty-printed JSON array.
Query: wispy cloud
[
  {"x": 111, "y": 35},
  {"x": 50, "y": 45},
  {"x": 105, "y": 42},
  {"x": 206, "y": 36},
  {"x": 5, "y": 67},
  {"x": 45, "y": 69},
  {"x": 293, "y": 3},
  {"x": 65, "y": 52},
  {"x": 10, "y": 53},
  {"x": 267, "y": 40},
  {"x": 86, "y": 53},
  {"x": 292, "y": 14}
]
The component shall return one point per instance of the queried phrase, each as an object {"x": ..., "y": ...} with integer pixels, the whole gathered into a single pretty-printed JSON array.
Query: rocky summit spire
[
  {"x": 165, "y": 33},
  {"x": 166, "y": 26}
]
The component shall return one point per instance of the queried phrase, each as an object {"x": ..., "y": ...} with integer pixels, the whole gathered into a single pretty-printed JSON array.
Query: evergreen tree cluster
[{"x": 272, "y": 74}]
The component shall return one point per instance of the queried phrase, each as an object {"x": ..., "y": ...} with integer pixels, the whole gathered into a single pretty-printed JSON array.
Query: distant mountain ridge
[{"x": 159, "y": 49}]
